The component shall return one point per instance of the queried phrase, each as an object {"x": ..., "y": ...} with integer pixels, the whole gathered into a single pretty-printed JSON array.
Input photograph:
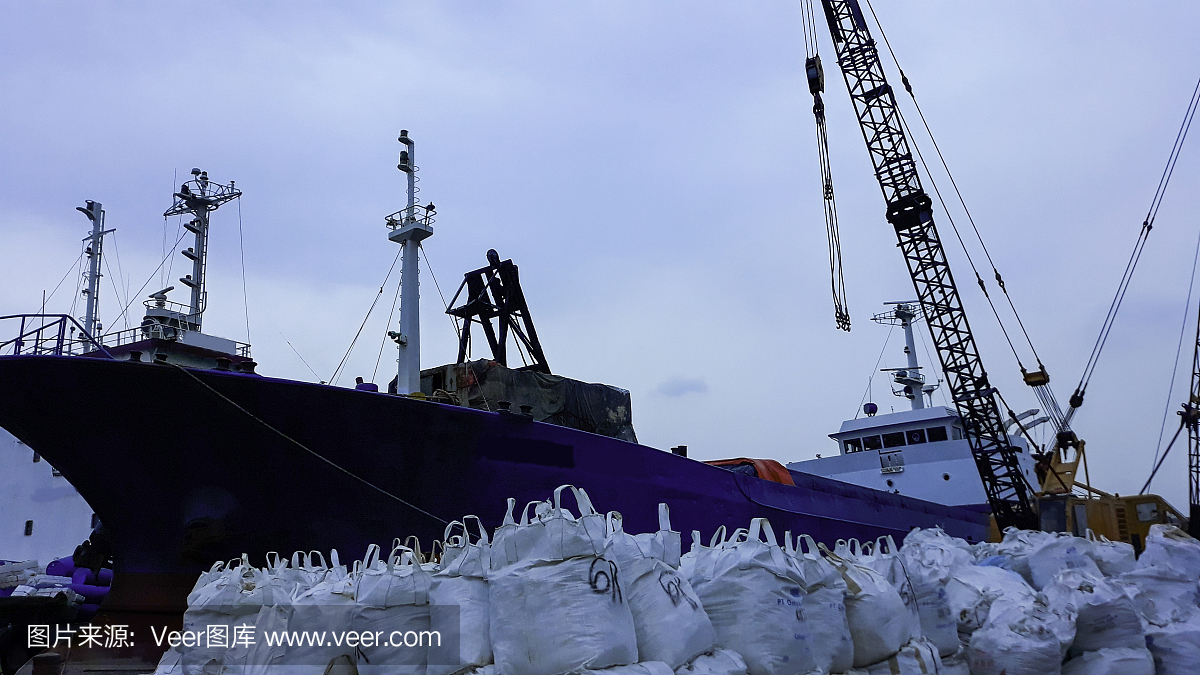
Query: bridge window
[
  {"x": 914, "y": 436},
  {"x": 871, "y": 443},
  {"x": 893, "y": 440},
  {"x": 957, "y": 433},
  {"x": 853, "y": 445},
  {"x": 935, "y": 434}
]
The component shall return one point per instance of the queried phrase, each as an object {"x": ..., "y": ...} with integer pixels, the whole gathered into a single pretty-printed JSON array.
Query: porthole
[{"x": 945, "y": 476}]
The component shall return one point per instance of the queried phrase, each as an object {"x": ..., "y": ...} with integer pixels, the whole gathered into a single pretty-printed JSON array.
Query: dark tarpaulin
[{"x": 596, "y": 408}]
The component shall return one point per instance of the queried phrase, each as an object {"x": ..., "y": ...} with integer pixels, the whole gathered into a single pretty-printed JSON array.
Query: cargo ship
[{"x": 187, "y": 454}]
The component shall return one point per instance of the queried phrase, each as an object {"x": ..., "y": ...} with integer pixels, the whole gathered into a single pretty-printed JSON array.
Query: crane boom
[
  {"x": 909, "y": 210},
  {"x": 1190, "y": 418}
]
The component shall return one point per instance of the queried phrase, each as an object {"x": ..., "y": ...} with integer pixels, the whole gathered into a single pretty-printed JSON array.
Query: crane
[{"x": 910, "y": 212}]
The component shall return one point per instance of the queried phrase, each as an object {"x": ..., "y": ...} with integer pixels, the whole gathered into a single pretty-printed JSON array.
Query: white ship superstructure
[{"x": 920, "y": 452}]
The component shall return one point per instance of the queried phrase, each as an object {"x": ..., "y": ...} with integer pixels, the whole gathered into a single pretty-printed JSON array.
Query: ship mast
[
  {"x": 911, "y": 381},
  {"x": 199, "y": 198},
  {"x": 95, "y": 251},
  {"x": 408, "y": 227}
]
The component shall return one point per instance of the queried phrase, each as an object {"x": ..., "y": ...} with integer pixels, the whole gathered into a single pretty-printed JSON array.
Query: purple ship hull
[{"x": 189, "y": 467}]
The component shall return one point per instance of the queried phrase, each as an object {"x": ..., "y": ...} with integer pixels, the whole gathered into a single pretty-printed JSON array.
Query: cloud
[{"x": 679, "y": 386}]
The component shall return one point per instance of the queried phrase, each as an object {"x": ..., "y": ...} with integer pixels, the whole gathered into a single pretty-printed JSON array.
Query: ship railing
[
  {"x": 417, "y": 213},
  {"x": 159, "y": 331},
  {"x": 177, "y": 307},
  {"x": 50, "y": 335}
]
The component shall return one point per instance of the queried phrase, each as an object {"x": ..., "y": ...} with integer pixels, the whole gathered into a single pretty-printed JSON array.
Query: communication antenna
[{"x": 198, "y": 198}]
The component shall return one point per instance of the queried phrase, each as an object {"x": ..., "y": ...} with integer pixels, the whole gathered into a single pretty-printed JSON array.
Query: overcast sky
[{"x": 652, "y": 169}]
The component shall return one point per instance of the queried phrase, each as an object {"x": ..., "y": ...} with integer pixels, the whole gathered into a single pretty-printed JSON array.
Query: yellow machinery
[{"x": 1062, "y": 509}]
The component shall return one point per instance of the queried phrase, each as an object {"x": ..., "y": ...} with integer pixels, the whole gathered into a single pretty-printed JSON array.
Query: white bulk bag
[
  {"x": 261, "y": 657},
  {"x": 1112, "y": 557},
  {"x": 461, "y": 581},
  {"x": 1017, "y": 545},
  {"x": 224, "y": 589},
  {"x": 231, "y": 594},
  {"x": 1024, "y": 646},
  {"x": 760, "y": 607},
  {"x": 1116, "y": 661},
  {"x": 668, "y": 619},
  {"x": 206, "y": 578},
  {"x": 928, "y": 557},
  {"x": 328, "y": 604},
  {"x": 884, "y": 557},
  {"x": 393, "y": 600},
  {"x": 919, "y": 657},
  {"x": 935, "y": 548},
  {"x": 824, "y": 608},
  {"x": 308, "y": 572},
  {"x": 1169, "y": 547},
  {"x": 1175, "y": 647},
  {"x": 1061, "y": 552},
  {"x": 1161, "y": 594},
  {"x": 717, "y": 662},
  {"x": 880, "y": 623},
  {"x": 556, "y": 602},
  {"x": 970, "y": 592},
  {"x": 1106, "y": 617}
]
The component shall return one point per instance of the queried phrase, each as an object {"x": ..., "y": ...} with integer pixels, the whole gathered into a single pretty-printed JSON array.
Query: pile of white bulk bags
[{"x": 560, "y": 589}]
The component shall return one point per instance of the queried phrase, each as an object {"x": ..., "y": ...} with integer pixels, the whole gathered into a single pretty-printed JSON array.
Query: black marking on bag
[
  {"x": 602, "y": 576},
  {"x": 673, "y": 586}
]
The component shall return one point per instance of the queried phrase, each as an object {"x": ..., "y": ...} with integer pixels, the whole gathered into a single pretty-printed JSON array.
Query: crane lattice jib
[
  {"x": 910, "y": 212},
  {"x": 1190, "y": 417}
]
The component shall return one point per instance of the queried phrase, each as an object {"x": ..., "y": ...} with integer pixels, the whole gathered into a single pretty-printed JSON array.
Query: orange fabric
[{"x": 767, "y": 469}]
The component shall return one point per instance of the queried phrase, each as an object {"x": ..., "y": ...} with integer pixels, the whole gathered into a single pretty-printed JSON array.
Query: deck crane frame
[{"x": 910, "y": 211}]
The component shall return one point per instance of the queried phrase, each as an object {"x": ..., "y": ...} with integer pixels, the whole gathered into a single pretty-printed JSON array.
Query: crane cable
[
  {"x": 816, "y": 84},
  {"x": 1187, "y": 314},
  {"x": 1138, "y": 247}
]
